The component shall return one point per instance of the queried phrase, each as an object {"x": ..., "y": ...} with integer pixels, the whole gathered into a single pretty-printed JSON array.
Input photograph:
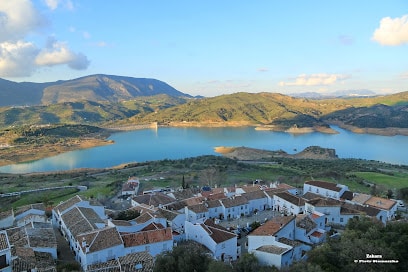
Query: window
[{"x": 341, "y": 219}]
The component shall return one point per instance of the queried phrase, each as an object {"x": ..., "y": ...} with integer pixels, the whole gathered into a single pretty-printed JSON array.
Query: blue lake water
[{"x": 176, "y": 143}]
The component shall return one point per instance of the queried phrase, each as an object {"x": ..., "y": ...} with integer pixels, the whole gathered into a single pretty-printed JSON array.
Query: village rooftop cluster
[{"x": 300, "y": 219}]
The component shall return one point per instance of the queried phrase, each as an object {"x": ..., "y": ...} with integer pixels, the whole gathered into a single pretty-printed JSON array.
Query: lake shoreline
[{"x": 26, "y": 153}]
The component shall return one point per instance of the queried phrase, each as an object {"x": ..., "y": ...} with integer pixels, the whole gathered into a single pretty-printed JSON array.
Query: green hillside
[{"x": 84, "y": 112}]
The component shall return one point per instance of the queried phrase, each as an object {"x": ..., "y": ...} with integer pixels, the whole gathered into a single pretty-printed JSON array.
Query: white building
[
  {"x": 5, "y": 252},
  {"x": 153, "y": 239},
  {"x": 324, "y": 188},
  {"x": 288, "y": 204},
  {"x": 98, "y": 245},
  {"x": 130, "y": 187},
  {"x": 234, "y": 207},
  {"x": 222, "y": 243},
  {"x": 196, "y": 213}
]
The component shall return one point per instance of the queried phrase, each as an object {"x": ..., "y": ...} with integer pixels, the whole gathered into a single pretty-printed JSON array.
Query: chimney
[{"x": 83, "y": 242}]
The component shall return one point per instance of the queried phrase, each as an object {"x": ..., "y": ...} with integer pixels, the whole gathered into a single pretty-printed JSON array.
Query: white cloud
[
  {"x": 315, "y": 80},
  {"x": 17, "y": 59},
  {"x": 59, "y": 53},
  {"x": 404, "y": 75},
  {"x": 263, "y": 69},
  {"x": 19, "y": 18},
  {"x": 21, "y": 58},
  {"x": 392, "y": 31},
  {"x": 52, "y": 4}
]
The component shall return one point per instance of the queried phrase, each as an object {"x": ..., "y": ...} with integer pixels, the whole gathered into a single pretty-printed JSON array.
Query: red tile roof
[
  {"x": 324, "y": 184},
  {"x": 147, "y": 237},
  {"x": 273, "y": 226}
]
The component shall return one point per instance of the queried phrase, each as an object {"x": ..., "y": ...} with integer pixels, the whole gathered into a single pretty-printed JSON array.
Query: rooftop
[
  {"x": 273, "y": 226},
  {"x": 324, "y": 184},
  {"x": 324, "y": 202},
  {"x": 147, "y": 237},
  {"x": 255, "y": 195},
  {"x": 217, "y": 233},
  {"x": 273, "y": 249},
  {"x": 234, "y": 201},
  {"x": 4, "y": 241},
  {"x": 100, "y": 239},
  {"x": 68, "y": 203},
  {"x": 199, "y": 208},
  {"x": 295, "y": 200},
  {"x": 361, "y": 198},
  {"x": 380, "y": 203}
]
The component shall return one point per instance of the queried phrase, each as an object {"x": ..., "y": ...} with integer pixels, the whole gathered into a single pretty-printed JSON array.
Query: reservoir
[{"x": 176, "y": 143}]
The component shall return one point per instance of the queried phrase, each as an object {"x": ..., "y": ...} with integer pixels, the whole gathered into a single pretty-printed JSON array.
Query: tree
[
  {"x": 216, "y": 266},
  {"x": 185, "y": 257},
  {"x": 389, "y": 193},
  {"x": 247, "y": 263},
  {"x": 403, "y": 194}
]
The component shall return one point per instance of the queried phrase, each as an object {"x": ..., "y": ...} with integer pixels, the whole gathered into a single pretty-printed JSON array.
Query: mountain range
[
  {"x": 112, "y": 101},
  {"x": 91, "y": 88}
]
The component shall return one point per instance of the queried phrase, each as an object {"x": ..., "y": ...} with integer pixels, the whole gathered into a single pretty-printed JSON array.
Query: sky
[{"x": 211, "y": 47}]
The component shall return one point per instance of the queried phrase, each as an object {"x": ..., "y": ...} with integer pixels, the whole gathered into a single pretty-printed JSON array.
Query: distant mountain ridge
[
  {"x": 92, "y": 88},
  {"x": 336, "y": 94}
]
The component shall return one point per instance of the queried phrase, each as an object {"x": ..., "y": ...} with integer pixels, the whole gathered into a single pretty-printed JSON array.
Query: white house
[
  {"x": 308, "y": 231},
  {"x": 215, "y": 209},
  {"x": 324, "y": 188},
  {"x": 288, "y": 203},
  {"x": 98, "y": 245},
  {"x": 30, "y": 213},
  {"x": 130, "y": 187},
  {"x": 174, "y": 219},
  {"x": 388, "y": 205},
  {"x": 271, "y": 231},
  {"x": 196, "y": 213},
  {"x": 5, "y": 253},
  {"x": 274, "y": 243},
  {"x": 234, "y": 207},
  {"x": 154, "y": 239},
  {"x": 257, "y": 201},
  {"x": 222, "y": 243}
]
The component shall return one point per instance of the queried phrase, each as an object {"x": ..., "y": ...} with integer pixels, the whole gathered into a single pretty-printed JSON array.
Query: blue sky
[{"x": 211, "y": 47}]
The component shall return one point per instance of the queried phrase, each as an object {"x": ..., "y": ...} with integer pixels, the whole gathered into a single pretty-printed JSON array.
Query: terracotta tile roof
[
  {"x": 295, "y": 200},
  {"x": 183, "y": 194},
  {"x": 380, "y": 203},
  {"x": 27, "y": 260},
  {"x": 17, "y": 237},
  {"x": 213, "y": 203},
  {"x": 310, "y": 196},
  {"x": 153, "y": 226},
  {"x": 317, "y": 234},
  {"x": 284, "y": 186},
  {"x": 76, "y": 222},
  {"x": 133, "y": 262},
  {"x": 100, "y": 239},
  {"x": 324, "y": 184},
  {"x": 41, "y": 237},
  {"x": 4, "y": 241},
  {"x": 155, "y": 199},
  {"x": 194, "y": 200},
  {"x": 217, "y": 233},
  {"x": 121, "y": 223},
  {"x": 130, "y": 185},
  {"x": 324, "y": 202},
  {"x": 199, "y": 208},
  {"x": 68, "y": 203},
  {"x": 361, "y": 198},
  {"x": 147, "y": 237},
  {"x": 273, "y": 191},
  {"x": 216, "y": 196},
  {"x": 234, "y": 201},
  {"x": 273, "y": 226},
  {"x": 248, "y": 189},
  {"x": 255, "y": 195},
  {"x": 273, "y": 249},
  {"x": 144, "y": 217},
  {"x": 315, "y": 215},
  {"x": 370, "y": 211},
  {"x": 305, "y": 222},
  {"x": 289, "y": 242},
  {"x": 169, "y": 215},
  {"x": 137, "y": 262}
]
